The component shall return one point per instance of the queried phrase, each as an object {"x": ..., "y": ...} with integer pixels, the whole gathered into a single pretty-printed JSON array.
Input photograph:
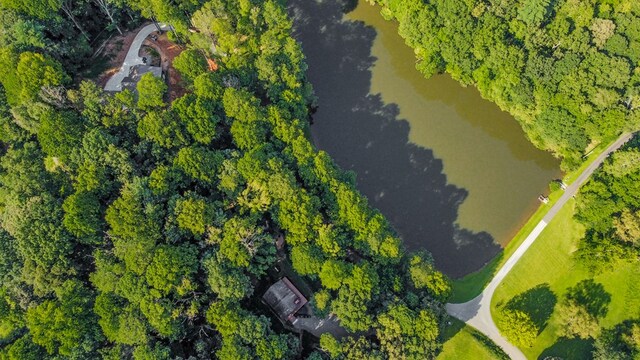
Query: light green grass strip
[
  {"x": 463, "y": 342},
  {"x": 470, "y": 286},
  {"x": 549, "y": 261}
]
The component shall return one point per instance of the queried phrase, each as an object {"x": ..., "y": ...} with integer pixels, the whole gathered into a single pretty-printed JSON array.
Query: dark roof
[{"x": 284, "y": 299}]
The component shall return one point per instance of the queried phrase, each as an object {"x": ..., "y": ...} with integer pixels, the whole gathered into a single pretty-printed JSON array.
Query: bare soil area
[
  {"x": 115, "y": 51},
  {"x": 168, "y": 51},
  {"x": 158, "y": 48}
]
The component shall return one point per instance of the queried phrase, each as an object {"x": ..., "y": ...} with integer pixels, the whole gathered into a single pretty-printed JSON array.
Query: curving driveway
[
  {"x": 132, "y": 58},
  {"x": 317, "y": 327},
  {"x": 477, "y": 312}
]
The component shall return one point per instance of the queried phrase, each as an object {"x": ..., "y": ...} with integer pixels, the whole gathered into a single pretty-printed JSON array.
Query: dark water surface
[{"x": 453, "y": 173}]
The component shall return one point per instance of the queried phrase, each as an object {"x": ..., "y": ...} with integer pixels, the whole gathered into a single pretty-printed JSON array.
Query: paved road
[
  {"x": 477, "y": 312},
  {"x": 132, "y": 58},
  {"x": 317, "y": 327}
]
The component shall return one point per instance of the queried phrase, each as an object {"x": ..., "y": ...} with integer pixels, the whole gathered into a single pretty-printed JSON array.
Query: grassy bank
[
  {"x": 464, "y": 342},
  {"x": 548, "y": 269},
  {"x": 470, "y": 286}
]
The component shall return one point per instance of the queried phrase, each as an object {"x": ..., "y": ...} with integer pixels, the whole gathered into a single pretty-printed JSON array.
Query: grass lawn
[
  {"x": 464, "y": 342},
  {"x": 470, "y": 286},
  {"x": 547, "y": 270}
]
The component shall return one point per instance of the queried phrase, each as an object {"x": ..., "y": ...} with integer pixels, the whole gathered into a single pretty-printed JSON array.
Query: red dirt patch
[
  {"x": 213, "y": 66},
  {"x": 168, "y": 51},
  {"x": 116, "y": 50}
]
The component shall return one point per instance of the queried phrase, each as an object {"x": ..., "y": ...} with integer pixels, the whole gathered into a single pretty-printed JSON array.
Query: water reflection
[
  {"x": 405, "y": 181},
  {"x": 483, "y": 149}
]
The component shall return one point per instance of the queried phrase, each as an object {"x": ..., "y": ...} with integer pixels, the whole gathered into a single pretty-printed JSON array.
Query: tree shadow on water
[
  {"x": 348, "y": 5},
  {"x": 538, "y": 302},
  {"x": 363, "y": 134}
]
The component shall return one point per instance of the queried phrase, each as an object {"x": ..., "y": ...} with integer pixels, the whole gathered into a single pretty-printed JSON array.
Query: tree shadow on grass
[
  {"x": 490, "y": 345},
  {"x": 568, "y": 349},
  {"x": 452, "y": 328},
  {"x": 538, "y": 302},
  {"x": 592, "y": 296}
]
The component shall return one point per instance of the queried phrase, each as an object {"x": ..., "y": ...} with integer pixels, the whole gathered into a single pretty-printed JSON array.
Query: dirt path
[
  {"x": 168, "y": 51},
  {"x": 115, "y": 50}
]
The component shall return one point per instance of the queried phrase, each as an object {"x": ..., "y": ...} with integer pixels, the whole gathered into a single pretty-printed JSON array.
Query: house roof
[{"x": 284, "y": 299}]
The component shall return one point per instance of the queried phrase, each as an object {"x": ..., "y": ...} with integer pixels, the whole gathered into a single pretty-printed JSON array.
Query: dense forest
[
  {"x": 136, "y": 228},
  {"x": 567, "y": 70},
  {"x": 609, "y": 207}
]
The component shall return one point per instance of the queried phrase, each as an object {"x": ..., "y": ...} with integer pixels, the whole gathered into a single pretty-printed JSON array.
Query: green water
[
  {"x": 452, "y": 172},
  {"x": 484, "y": 150}
]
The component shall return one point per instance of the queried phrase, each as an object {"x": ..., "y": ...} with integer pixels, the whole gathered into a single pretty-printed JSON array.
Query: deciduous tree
[{"x": 151, "y": 91}]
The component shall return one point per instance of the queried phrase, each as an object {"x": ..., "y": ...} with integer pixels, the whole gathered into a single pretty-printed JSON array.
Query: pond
[{"x": 453, "y": 173}]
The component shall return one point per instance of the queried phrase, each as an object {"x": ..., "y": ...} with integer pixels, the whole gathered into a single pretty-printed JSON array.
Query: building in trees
[{"x": 284, "y": 299}]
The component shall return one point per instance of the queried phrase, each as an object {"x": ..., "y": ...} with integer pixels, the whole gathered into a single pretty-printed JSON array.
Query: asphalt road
[
  {"x": 477, "y": 312},
  {"x": 317, "y": 327},
  {"x": 132, "y": 58}
]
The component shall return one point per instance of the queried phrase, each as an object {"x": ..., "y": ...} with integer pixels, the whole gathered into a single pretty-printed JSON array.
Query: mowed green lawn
[
  {"x": 464, "y": 342},
  {"x": 470, "y": 286},
  {"x": 549, "y": 267}
]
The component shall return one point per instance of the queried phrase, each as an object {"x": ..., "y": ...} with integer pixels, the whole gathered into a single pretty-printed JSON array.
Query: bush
[
  {"x": 554, "y": 185},
  {"x": 518, "y": 327}
]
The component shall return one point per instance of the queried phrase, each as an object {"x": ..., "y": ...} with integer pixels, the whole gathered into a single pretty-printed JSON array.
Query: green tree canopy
[
  {"x": 191, "y": 64},
  {"x": 151, "y": 91},
  {"x": 65, "y": 325}
]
